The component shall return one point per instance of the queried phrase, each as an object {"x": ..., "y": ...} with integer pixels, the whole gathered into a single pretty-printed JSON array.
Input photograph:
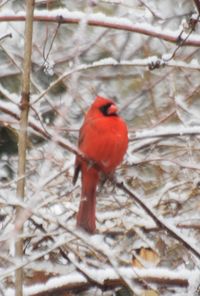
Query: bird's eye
[{"x": 109, "y": 109}]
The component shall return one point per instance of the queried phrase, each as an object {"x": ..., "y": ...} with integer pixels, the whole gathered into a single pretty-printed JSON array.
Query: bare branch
[{"x": 23, "y": 134}]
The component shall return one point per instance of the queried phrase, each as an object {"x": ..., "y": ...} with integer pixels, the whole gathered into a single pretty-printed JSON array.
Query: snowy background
[{"x": 144, "y": 55}]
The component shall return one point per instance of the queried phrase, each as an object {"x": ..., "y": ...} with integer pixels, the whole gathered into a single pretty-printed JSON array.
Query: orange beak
[{"x": 112, "y": 109}]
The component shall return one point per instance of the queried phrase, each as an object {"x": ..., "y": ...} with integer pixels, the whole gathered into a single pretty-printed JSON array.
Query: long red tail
[{"x": 86, "y": 217}]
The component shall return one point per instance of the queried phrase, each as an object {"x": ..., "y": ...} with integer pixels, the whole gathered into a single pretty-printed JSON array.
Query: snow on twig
[{"x": 150, "y": 62}]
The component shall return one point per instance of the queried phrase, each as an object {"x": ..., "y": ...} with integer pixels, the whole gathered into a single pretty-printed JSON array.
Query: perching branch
[
  {"x": 24, "y": 105},
  {"x": 153, "y": 134}
]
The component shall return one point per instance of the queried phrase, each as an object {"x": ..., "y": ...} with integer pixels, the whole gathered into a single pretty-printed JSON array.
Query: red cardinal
[{"x": 103, "y": 138}]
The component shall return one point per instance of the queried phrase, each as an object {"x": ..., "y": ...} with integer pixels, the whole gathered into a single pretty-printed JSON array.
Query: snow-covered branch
[
  {"x": 150, "y": 62},
  {"x": 166, "y": 132},
  {"x": 109, "y": 279},
  {"x": 101, "y": 20}
]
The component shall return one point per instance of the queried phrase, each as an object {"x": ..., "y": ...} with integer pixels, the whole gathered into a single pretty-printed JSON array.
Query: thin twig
[
  {"x": 45, "y": 56},
  {"x": 9, "y": 35}
]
